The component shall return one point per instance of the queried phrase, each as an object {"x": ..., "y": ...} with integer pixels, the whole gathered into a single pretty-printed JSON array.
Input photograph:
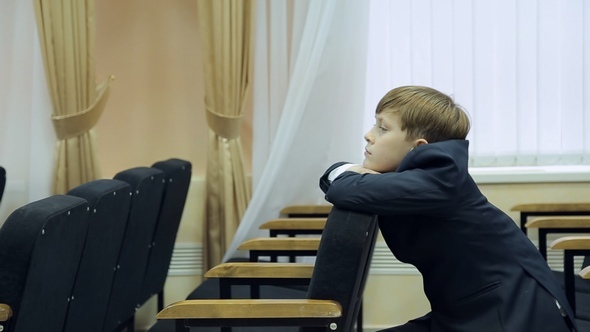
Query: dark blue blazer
[{"x": 480, "y": 271}]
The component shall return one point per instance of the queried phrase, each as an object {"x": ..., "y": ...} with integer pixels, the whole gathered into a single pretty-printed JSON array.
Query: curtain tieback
[
  {"x": 72, "y": 125},
  {"x": 227, "y": 126}
]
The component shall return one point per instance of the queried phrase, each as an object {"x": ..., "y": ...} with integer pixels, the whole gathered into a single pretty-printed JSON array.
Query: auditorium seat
[
  {"x": 557, "y": 225},
  {"x": 292, "y": 227},
  {"x": 40, "y": 248},
  {"x": 557, "y": 218},
  {"x": 562, "y": 218},
  {"x": 306, "y": 211},
  {"x": 575, "y": 286},
  {"x": 549, "y": 209},
  {"x": 296, "y": 220},
  {"x": 147, "y": 185},
  {"x": 177, "y": 177},
  {"x": 109, "y": 202},
  {"x": 274, "y": 247}
]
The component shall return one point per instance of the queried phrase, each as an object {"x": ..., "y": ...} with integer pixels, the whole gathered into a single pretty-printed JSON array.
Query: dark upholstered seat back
[
  {"x": 177, "y": 174},
  {"x": 147, "y": 186},
  {"x": 109, "y": 202},
  {"x": 40, "y": 248},
  {"x": 342, "y": 263}
]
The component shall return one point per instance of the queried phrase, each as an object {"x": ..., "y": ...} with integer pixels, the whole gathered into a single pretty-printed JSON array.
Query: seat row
[
  {"x": 548, "y": 218},
  {"x": 85, "y": 261}
]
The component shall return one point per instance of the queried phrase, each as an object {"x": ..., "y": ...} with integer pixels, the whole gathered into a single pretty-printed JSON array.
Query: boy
[{"x": 480, "y": 272}]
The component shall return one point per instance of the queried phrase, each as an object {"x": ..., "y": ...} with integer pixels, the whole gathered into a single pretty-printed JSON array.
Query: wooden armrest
[
  {"x": 572, "y": 243},
  {"x": 281, "y": 244},
  {"x": 261, "y": 270},
  {"x": 5, "y": 312},
  {"x": 307, "y": 209},
  {"x": 560, "y": 222},
  {"x": 204, "y": 309},
  {"x": 585, "y": 273},
  {"x": 549, "y": 207},
  {"x": 295, "y": 223}
]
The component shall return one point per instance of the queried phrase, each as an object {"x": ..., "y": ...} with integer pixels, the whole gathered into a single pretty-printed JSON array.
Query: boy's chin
[{"x": 370, "y": 166}]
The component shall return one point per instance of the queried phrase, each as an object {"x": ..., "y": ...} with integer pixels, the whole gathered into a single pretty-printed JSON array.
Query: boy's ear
[{"x": 420, "y": 141}]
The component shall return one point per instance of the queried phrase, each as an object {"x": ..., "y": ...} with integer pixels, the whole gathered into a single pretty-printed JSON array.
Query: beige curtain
[
  {"x": 226, "y": 39},
  {"x": 66, "y": 30}
]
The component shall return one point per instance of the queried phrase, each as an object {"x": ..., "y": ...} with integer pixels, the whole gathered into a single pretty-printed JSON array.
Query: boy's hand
[{"x": 361, "y": 170}]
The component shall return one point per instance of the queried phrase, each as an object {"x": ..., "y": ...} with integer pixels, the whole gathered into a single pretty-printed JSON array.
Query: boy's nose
[{"x": 368, "y": 137}]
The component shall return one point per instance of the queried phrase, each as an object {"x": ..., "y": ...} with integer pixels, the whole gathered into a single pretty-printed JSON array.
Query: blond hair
[{"x": 426, "y": 113}]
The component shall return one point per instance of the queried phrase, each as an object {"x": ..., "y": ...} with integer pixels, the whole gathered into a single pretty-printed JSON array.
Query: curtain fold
[
  {"x": 225, "y": 35},
  {"x": 26, "y": 135},
  {"x": 66, "y": 32},
  {"x": 308, "y": 102}
]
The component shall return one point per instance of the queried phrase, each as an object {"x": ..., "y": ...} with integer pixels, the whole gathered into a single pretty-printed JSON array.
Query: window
[{"x": 521, "y": 69}]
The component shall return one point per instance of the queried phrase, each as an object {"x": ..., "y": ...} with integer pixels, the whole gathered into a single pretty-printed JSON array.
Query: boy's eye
[{"x": 380, "y": 127}]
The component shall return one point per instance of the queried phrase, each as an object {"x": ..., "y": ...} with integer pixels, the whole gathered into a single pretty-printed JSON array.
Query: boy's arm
[
  {"x": 335, "y": 170},
  {"x": 429, "y": 188},
  {"x": 329, "y": 175}
]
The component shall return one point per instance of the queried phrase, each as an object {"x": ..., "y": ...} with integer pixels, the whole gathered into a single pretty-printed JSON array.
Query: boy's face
[{"x": 386, "y": 144}]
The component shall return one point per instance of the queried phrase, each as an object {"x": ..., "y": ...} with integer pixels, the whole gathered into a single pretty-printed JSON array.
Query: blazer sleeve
[
  {"x": 429, "y": 187},
  {"x": 324, "y": 182}
]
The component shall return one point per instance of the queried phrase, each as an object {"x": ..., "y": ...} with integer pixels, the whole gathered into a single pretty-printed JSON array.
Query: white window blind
[{"x": 521, "y": 69}]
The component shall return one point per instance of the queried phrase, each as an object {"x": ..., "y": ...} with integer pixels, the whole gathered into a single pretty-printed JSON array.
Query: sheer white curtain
[
  {"x": 26, "y": 134},
  {"x": 308, "y": 101},
  {"x": 520, "y": 68}
]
